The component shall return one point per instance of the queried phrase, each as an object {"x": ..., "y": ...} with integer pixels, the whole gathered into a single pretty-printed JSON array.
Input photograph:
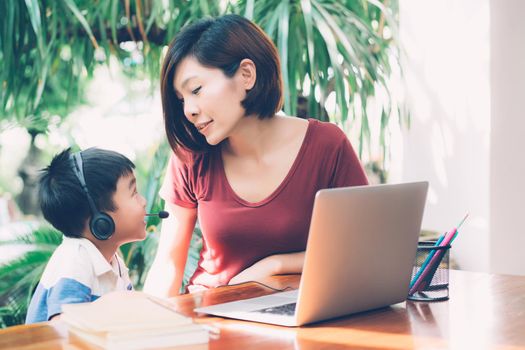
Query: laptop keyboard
[{"x": 286, "y": 309}]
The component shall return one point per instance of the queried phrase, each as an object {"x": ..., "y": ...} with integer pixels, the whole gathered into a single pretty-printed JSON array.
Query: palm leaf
[
  {"x": 42, "y": 236},
  {"x": 20, "y": 275},
  {"x": 81, "y": 19},
  {"x": 284, "y": 20},
  {"x": 306, "y": 7},
  {"x": 33, "y": 11},
  {"x": 332, "y": 43},
  {"x": 248, "y": 12}
]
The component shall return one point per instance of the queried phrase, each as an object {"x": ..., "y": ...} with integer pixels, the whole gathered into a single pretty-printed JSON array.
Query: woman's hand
[
  {"x": 272, "y": 265},
  {"x": 258, "y": 271}
]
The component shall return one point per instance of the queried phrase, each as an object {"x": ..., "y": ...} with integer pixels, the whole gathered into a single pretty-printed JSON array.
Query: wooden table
[{"x": 484, "y": 312}]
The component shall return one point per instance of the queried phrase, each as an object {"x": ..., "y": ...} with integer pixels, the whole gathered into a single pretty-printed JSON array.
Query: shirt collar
[{"x": 100, "y": 264}]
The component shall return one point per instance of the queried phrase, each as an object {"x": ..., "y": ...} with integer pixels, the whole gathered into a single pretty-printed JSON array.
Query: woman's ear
[{"x": 247, "y": 73}]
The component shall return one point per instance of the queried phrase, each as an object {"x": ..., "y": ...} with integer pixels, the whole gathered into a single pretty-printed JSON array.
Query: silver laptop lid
[{"x": 361, "y": 249}]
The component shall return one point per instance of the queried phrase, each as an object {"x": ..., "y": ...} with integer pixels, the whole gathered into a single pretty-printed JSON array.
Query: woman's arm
[
  {"x": 165, "y": 276},
  {"x": 278, "y": 264}
]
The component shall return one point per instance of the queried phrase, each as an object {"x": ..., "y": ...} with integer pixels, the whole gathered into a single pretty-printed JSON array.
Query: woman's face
[{"x": 211, "y": 100}]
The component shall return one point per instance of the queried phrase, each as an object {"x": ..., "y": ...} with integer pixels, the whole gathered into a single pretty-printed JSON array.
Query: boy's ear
[{"x": 248, "y": 73}]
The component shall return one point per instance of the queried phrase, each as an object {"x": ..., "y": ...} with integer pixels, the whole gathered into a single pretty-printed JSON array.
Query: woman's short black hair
[
  {"x": 62, "y": 199},
  {"x": 221, "y": 42}
]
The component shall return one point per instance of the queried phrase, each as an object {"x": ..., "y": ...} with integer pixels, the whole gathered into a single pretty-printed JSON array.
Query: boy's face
[{"x": 129, "y": 216}]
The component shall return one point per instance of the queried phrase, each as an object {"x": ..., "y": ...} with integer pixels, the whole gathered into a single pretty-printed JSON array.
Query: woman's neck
[{"x": 252, "y": 137}]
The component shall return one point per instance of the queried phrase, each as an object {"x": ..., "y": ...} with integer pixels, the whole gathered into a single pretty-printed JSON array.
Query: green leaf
[
  {"x": 33, "y": 11},
  {"x": 283, "y": 50},
  {"x": 114, "y": 20},
  {"x": 333, "y": 54},
  {"x": 248, "y": 12},
  {"x": 81, "y": 19},
  {"x": 306, "y": 7}
]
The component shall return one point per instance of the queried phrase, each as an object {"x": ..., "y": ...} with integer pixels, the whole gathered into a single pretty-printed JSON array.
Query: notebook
[{"x": 359, "y": 256}]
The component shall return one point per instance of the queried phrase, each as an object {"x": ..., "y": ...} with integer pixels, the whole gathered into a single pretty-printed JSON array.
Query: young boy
[{"x": 91, "y": 197}]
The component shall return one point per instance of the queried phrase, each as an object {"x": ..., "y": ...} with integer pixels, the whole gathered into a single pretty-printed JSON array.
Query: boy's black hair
[{"x": 62, "y": 200}]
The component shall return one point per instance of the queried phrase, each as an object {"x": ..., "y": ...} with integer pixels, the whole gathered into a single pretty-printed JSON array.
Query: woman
[{"x": 249, "y": 175}]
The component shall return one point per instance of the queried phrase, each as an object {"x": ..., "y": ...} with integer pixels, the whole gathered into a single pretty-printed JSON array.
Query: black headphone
[{"x": 101, "y": 224}]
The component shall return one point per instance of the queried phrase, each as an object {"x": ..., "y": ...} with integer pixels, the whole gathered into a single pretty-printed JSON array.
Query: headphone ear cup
[{"x": 102, "y": 226}]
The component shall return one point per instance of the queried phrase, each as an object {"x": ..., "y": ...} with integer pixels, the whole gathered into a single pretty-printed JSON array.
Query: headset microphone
[{"x": 161, "y": 214}]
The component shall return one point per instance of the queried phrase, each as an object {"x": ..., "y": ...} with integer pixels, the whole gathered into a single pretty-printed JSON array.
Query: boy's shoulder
[{"x": 75, "y": 258}]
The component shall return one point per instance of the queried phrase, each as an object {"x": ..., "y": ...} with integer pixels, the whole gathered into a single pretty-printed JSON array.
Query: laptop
[{"x": 359, "y": 256}]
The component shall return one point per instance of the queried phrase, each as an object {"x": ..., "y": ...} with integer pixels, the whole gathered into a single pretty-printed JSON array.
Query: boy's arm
[
  {"x": 66, "y": 291},
  {"x": 165, "y": 276},
  {"x": 67, "y": 279}
]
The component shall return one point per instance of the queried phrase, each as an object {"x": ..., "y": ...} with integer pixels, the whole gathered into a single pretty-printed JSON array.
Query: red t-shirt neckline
[{"x": 282, "y": 185}]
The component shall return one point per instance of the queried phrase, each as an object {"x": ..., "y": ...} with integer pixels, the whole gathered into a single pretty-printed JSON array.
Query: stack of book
[{"x": 131, "y": 320}]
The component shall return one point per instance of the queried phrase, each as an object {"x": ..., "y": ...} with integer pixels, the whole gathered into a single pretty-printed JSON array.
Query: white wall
[
  {"x": 507, "y": 225},
  {"x": 447, "y": 70}
]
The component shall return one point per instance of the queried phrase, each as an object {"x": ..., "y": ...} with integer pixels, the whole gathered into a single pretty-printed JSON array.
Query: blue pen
[
  {"x": 439, "y": 255},
  {"x": 427, "y": 260},
  {"x": 454, "y": 233}
]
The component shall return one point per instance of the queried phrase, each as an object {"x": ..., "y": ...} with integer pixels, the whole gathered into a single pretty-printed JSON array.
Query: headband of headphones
[
  {"x": 79, "y": 172},
  {"x": 101, "y": 224}
]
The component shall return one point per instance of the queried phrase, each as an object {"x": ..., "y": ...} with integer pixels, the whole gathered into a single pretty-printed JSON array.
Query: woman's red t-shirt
[{"x": 237, "y": 233}]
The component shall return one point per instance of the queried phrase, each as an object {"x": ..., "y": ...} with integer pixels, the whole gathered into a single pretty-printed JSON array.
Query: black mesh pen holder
[{"x": 429, "y": 280}]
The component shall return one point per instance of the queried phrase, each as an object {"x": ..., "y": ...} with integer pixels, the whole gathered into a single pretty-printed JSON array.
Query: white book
[
  {"x": 131, "y": 320},
  {"x": 196, "y": 339}
]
